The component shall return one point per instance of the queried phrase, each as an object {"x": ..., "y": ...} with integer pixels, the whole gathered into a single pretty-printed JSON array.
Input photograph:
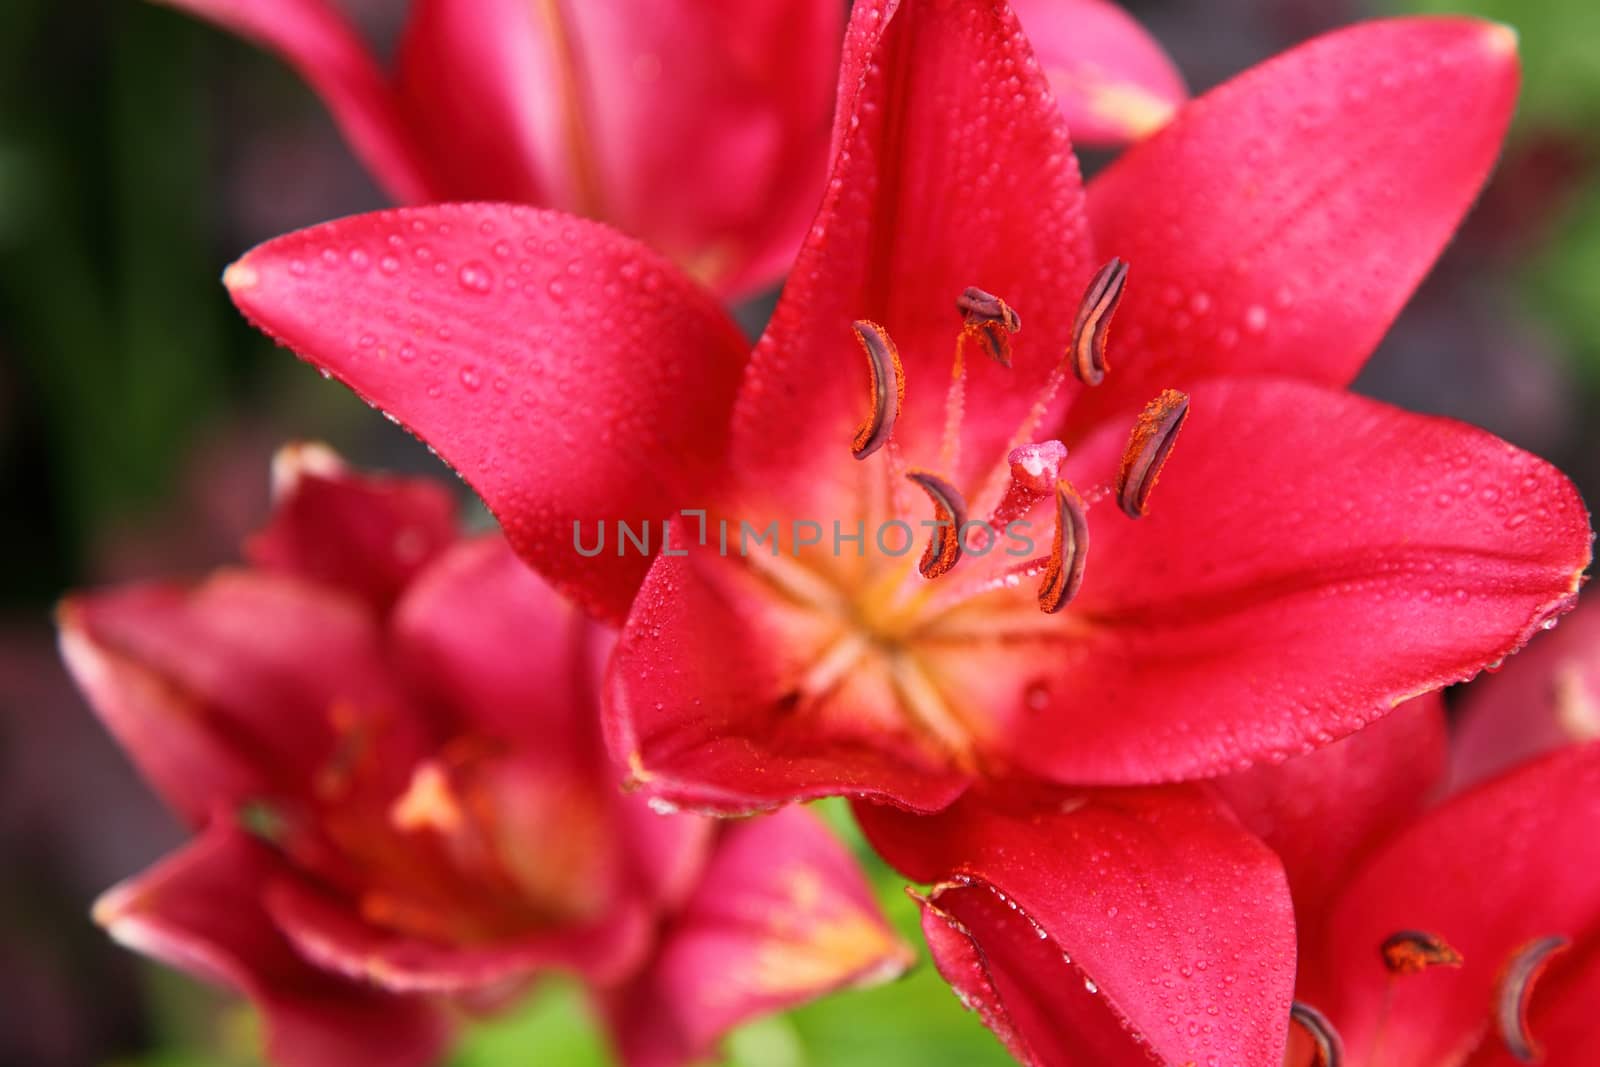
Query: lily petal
[
  {"x": 1053, "y": 910},
  {"x": 702, "y": 128},
  {"x": 571, "y": 375},
  {"x": 706, "y": 635},
  {"x": 1525, "y": 827},
  {"x": 367, "y": 534},
  {"x": 502, "y": 653},
  {"x": 199, "y": 910},
  {"x": 329, "y": 934},
  {"x": 1311, "y": 560},
  {"x": 782, "y": 916},
  {"x": 231, "y": 688},
  {"x": 938, "y": 184},
  {"x": 318, "y": 42},
  {"x": 1282, "y": 220},
  {"x": 1323, "y": 811},
  {"x": 1113, "y": 81}
]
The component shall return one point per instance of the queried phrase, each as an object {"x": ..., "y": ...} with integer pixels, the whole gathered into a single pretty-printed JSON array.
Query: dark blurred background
[{"x": 140, "y": 152}]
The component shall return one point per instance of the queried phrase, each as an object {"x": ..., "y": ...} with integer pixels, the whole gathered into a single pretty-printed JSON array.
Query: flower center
[{"x": 896, "y": 617}]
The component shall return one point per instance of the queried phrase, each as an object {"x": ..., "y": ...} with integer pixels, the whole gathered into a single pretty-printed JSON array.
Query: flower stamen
[
  {"x": 1089, "y": 330},
  {"x": 1064, "y": 574},
  {"x": 1324, "y": 1037},
  {"x": 949, "y": 516},
  {"x": 1515, "y": 991},
  {"x": 990, "y": 320},
  {"x": 1414, "y": 951},
  {"x": 1154, "y": 433},
  {"x": 883, "y": 363}
]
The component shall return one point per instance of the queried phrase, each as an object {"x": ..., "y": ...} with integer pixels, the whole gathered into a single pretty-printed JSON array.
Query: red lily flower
[
  {"x": 1465, "y": 935},
  {"x": 702, "y": 128},
  {"x": 388, "y": 740},
  {"x": 1310, "y": 558}
]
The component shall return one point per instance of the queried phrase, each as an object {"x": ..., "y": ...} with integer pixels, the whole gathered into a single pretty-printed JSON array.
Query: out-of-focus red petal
[
  {"x": 1321, "y": 812},
  {"x": 200, "y": 910},
  {"x": 367, "y": 534},
  {"x": 702, "y": 128},
  {"x": 571, "y": 375},
  {"x": 233, "y": 686},
  {"x": 1489, "y": 872},
  {"x": 479, "y": 83},
  {"x": 1548, "y": 696},
  {"x": 939, "y": 182},
  {"x": 1146, "y": 911},
  {"x": 318, "y": 42},
  {"x": 326, "y": 932},
  {"x": 781, "y": 916},
  {"x": 1114, "y": 83},
  {"x": 501, "y": 653},
  {"x": 701, "y": 703},
  {"x": 1280, "y": 222},
  {"x": 1310, "y": 560}
]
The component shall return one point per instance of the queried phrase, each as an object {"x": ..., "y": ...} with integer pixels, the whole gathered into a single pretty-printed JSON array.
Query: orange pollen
[
  {"x": 883, "y": 364},
  {"x": 1413, "y": 951},
  {"x": 1324, "y": 1038},
  {"x": 1063, "y": 575},
  {"x": 989, "y": 319},
  {"x": 949, "y": 516},
  {"x": 1515, "y": 991},
  {"x": 1089, "y": 330},
  {"x": 1154, "y": 434}
]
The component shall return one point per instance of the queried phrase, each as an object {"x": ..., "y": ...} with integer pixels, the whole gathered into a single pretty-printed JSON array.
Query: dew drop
[
  {"x": 475, "y": 277},
  {"x": 470, "y": 379}
]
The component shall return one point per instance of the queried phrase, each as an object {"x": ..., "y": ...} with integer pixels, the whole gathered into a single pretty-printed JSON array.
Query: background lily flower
[
  {"x": 1310, "y": 558},
  {"x": 1541, "y": 701},
  {"x": 1464, "y": 934},
  {"x": 702, "y": 128},
  {"x": 387, "y": 740}
]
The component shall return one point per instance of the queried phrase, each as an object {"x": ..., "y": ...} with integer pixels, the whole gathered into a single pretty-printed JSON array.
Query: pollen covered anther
[
  {"x": 1089, "y": 330},
  {"x": 1063, "y": 575},
  {"x": 888, "y": 388},
  {"x": 1413, "y": 951},
  {"x": 1324, "y": 1037},
  {"x": 1154, "y": 433},
  {"x": 991, "y": 320},
  {"x": 949, "y": 516},
  {"x": 1515, "y": 991}
]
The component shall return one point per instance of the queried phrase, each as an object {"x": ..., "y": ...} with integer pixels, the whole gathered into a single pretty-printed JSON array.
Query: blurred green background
[{"x": 140, "y": 152}]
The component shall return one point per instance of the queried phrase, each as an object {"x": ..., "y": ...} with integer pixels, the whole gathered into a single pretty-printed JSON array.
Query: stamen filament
[
  {"x": 923, "y": 699},
  {"x": 1154, "y": 434}
]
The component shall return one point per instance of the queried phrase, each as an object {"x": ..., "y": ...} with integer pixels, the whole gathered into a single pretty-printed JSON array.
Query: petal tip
[
  {"x": 239, "y": 277},
  {"x": 1501, "y": 38},
  {"x": 298, "y": 459}
]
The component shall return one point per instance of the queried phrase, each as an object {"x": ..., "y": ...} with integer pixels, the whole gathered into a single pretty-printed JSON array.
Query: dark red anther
[
  {"x": 991, "y": 320},
  {"x": 1094, "y": 321},
  {"x": 949, "y": 516},
  {"x": 1064, "y": 574},
  {"x": 888, "y": 388},
  {"x": 1154, "y": 433}
]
